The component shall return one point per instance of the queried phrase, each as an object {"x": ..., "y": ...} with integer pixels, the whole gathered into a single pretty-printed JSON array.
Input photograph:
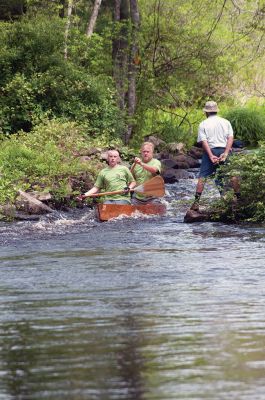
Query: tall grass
[{"x": 248, "y": 124}]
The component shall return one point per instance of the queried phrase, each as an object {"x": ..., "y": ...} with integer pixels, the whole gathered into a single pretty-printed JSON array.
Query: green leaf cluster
[
  {"x": 44, "y": 159},
  {"x": 249, "y": 168},
  {"x": 37, "y": 83},
  {"x": 190, "y": 55},
  {"x": 248, "y": 124}
]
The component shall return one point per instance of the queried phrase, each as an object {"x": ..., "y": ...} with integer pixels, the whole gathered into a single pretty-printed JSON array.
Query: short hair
[
  {"x": 113, "y": 150},
  {"x": 149, "y": 144},
  {"x": 211, "y": 113}
]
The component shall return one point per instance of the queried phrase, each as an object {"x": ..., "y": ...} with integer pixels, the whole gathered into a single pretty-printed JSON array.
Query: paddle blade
[{"x": 154, "y": 187}]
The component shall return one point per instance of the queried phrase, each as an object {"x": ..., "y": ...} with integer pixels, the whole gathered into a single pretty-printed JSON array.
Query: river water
[{"x": 134, "y": 308}]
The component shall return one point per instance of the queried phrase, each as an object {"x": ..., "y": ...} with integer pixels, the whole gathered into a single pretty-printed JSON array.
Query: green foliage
[
  {"x": 170, "y": 132},
  {"x": 37, "y": 83},
  {"x": 92, "y": 53},
  {"x": 248, "y": 124},
  {"x": 250, "y": 169},
  {"x": 19, "y": 108},
  {"x": 47, "y": 7},
  {"x": 43, "y": 159},
  {"x": 189, "y": 54},
  {"x": 36, "y": 43},
  {"x": 171, "y": 125},
  {"x": 183, "y": 64}
]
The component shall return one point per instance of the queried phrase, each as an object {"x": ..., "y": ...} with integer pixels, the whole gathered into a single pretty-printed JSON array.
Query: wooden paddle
[
  {"x": 154, "y": 187},
  {"x": 133, "y": 166}
]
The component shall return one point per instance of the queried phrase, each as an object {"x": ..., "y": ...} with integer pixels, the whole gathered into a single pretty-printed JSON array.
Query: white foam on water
[{"x": 61, "y": 221}]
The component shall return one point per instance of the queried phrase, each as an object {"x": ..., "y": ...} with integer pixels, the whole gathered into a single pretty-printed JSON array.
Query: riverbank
[{"x": 44, "y": 171}]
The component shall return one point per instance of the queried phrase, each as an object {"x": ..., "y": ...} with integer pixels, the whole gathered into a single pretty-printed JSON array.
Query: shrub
[
  {"x": 37, "y": 83},
  {"x": 43, "y": 159},
  {"x": 170, "y": 132},
  {"x": 248, "y": 124},
  {"x": 250, "y": 169},
  {"x": 179, "y": 127}
]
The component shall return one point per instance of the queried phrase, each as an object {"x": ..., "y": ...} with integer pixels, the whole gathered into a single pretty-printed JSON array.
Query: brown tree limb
[
  {"x": 67, "y": 27},
  {"x": 93, "y": 18}
]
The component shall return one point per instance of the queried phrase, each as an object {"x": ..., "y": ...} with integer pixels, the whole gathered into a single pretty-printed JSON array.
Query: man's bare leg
[{"x": 199, "y": 190}]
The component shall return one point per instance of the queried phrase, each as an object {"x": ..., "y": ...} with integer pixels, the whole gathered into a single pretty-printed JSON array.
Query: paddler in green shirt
[
  {"x": 114, "y": 177},
  {"x": 143, "y": 170}
]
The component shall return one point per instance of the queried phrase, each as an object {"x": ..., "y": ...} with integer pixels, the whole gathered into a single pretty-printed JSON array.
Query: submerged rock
[
  {"x": 197, "y": 216},
  {"x": 170, "y": 175},
  {"x": 20, "y": 216}
]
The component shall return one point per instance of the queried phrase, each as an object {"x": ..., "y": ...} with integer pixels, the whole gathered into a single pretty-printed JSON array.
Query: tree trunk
[
  {"x": 132, "y": 68},
  {"x": 67, "y": 27},
  {"x": 120, "y": 50},
  {"x": 125, "y": 58},
  {"x": 93, "y": 18}
]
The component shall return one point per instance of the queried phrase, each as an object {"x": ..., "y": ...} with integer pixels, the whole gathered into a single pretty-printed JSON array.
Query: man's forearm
[
  {"x": 94, "y": 190},
  {"x": 152, "y": 170},
  {"x": 228, "y": 147},
  {"x": 229, "y": 144},
  {"x": 214, "y": 159},
  {"x": 207, "y": 148}
]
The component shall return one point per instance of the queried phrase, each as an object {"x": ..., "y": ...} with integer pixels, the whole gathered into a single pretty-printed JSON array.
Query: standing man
[
  {"x": 216, "y": 136},
  {"x": 114, "y": 177},
  {"x": 144, "y": 169}
]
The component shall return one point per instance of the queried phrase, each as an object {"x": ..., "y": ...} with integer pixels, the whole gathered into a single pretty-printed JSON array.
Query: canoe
[{"x": 105, "y": 212}]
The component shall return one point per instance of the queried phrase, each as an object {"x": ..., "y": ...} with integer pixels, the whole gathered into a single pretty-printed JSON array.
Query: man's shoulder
[
  {"x": 222, "y": 119},
  {"x": 123, "y": 167},
  {"x": 202, "y": 124},
  {"x": 212, "y": 120},
  {"x": 154, "y": 161},
  {"x": 104, "y": 170}
]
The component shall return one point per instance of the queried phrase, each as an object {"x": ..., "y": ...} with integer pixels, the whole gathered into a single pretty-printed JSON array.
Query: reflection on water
[{"x": 132, "y": 309}]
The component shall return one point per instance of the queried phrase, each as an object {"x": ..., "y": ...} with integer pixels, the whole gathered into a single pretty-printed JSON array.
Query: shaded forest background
[{"x": 128, "y": 68}]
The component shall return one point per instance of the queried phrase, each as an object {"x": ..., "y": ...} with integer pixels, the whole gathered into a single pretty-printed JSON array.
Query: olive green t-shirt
[
  {"x": 141, "y": 175},
  {"x": 112, "y": 179}
]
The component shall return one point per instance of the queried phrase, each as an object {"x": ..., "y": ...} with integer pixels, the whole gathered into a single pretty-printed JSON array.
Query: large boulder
[
  {"x": 30, "y": 205},
  {"x": 41, "y": 196},
  {"x": 162, "y": 155},
  {"x": 193, "y": 162},
  {"x": 170, "y": 175},
  {"x": 168, "y": 163},
  {"x": 196, "y": 152},
  {"x": 186, "y": 161},
  {"x": 157, "y": 142},
  {"x": 183, "y": 174},
  {"x": 196, "y": 216},
  {"x": 104, "y": 155},
  {"x": 182, "y": 164},
  {"x": 91, "y": 151},
  {"x": 176, "y": 148},
  {"x": 9, "y": 212}
]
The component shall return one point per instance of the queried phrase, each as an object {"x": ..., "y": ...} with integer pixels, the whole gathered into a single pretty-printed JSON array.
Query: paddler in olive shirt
[
  {"x": 114, "y": 177},
  {"x": 143, "y": 170}
]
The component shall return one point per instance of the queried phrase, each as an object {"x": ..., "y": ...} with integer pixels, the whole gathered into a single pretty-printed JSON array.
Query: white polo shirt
[{"x": 215, "y": 130}]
